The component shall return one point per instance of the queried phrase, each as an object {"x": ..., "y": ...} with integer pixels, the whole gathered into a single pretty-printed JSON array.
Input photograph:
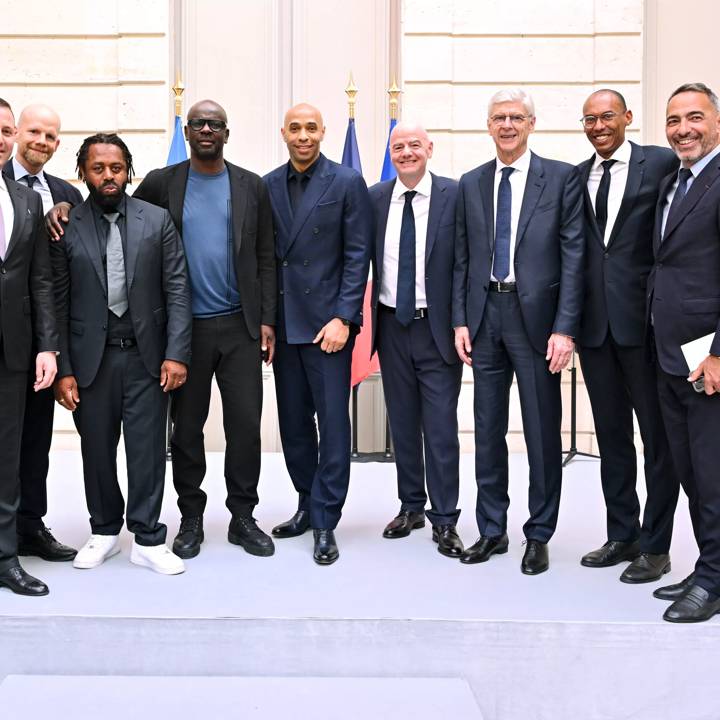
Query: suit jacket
[
  {"x": 549, "y": 250},
  {"x": 439, "y": 258},
  {"x": 252, "y": 233},
  {"x": 61, "y": 190},
  {"x": 616, "y": 275},
  {"x": 323, "y": 250},
  {"x": 158, "y": 291},
  {"x": 684, "y": 284},
  {"x": 26, "y": 287}
]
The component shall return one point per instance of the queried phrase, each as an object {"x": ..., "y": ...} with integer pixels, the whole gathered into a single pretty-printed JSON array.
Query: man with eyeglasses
[
  {"x": 517, "y": 298},
  {"x": 622, "y": 181},
  {"x": 223, "y": 214}
]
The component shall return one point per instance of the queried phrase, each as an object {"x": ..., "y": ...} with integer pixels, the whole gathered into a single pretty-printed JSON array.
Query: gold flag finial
[
  {"x": 178, "y": 89},
  {"x": 394, "y": 93},
  {"x": 351, "y": 91}
]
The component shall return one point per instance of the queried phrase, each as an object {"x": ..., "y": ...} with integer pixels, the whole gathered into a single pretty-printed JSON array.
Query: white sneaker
[
  {"x": 96, "y": 551},
  {"x": 157, "y": 558}
]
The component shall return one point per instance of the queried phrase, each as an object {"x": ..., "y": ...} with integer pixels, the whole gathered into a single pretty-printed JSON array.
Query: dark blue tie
[
  {"x": 31, "y": 180},
  {"x": 501, "y": 262},
  {"x": 405, "y": 298},
  {"x": 680, "y": 192}
]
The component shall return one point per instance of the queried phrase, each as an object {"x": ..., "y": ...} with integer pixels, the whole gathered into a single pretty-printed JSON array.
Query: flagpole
[{"x": 178, "y": 90}]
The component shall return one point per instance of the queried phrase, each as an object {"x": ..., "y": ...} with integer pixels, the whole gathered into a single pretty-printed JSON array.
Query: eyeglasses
[
  {"x": 514, "y": 119},
  {"x": 197, "y": 124},
  {"x": 591, "y": 120}
]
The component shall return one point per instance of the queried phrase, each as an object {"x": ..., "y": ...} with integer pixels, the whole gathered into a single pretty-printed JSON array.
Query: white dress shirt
[
  {"x": 8, "y": 212},
  {"x": 618, "y": 181},
  {"x": 517, "y": 180},
  {"x": 391, "y": 255},
  {"x": 41, "y": 186},
  {"x": 695, "y": 169}
]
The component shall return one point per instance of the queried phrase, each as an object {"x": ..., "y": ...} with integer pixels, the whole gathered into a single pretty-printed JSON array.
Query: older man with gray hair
[{"x": 517, "y": 299}]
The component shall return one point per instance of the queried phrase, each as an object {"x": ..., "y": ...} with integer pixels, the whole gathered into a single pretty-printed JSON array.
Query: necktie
[
  {"x": 117, "y": 290},
  {"x": 501, "y": 261},
  {"x": 31, "y": 180},
  {"x": 405, "y": 297},
  {"x": 601, "y": 199},
  {"x": 3, "y": 246},
  {"x": 685, "y": 175}
]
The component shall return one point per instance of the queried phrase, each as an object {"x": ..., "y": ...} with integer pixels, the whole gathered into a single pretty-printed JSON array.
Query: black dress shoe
[
  {"x": 296, "y": 525},
  {"x": 326, "y": 550},
  {"x": 484, "y": 548},
  {"x": 449, "y": 542},
  {"x": 244, "y": 531},
  {"x": 535, "y": 560},
  {"x": 696, "y": 605},
  {"x": 189, "y": 538},
  {"x": 611, "y": 553},
  {"x": 676, "y": 591},
  {"x": 646, "y": 567},
  {"x": 401, "y": 526},
  {"x": 42, "y": 544},
  {"x": 17, "y": 580}
]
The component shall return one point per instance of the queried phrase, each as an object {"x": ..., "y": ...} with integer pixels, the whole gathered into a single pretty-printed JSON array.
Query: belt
[
  {"x": 122, "y": 343},
  {"x": 420, "y": 313},
  {"x": 502, "y": 287}
]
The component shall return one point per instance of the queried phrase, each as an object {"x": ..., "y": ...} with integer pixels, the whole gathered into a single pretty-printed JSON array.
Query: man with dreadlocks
[{"x": 123, "y": 306}]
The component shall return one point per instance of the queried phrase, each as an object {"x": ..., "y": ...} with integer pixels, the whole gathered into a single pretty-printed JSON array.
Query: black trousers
[
  {"x": 221, "y": 347},
  {"x": 421, "y": 395},
  {"x": 692, "y": 421},
  {"x": 123, "y": 393},
  {"x": 35, "y": 457},
  {"x": 501, "y": 349},
  {"x": 619, "y": 380},
  {"x": 310, "y": 382},
  {"x": 12, "y": 407}
]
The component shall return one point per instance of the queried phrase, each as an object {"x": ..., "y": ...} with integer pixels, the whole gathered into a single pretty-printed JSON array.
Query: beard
[
  {"x": 106, "y": 202},
  {"x": 36, "y": 158}
]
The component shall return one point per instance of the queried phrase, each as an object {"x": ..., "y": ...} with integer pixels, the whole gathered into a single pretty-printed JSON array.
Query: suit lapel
[
  {"x": 83, "y": 225},
  {"x": 487, "y": 191},
  {"x": 176, "y": 193},
  {"x": 20, "y": 212},
  {"x": 700, "y": 186},
  {"x": 277, "y": 187},
  {"x": 438, "y": 200},
  {"x": 636, "y": 171},
  {"x": 533, "y": 190},
  {"x": 134, "y": 232},
  {"x": 585, "y": 170},
  {"x": 239, "y": 196},
  {"x": 316, "y": 188},
  {"x": 662, "y": 199},
  {"x": 382, "y": 211}
]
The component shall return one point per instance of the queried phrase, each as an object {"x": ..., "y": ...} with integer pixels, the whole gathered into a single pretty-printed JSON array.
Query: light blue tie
[{"x": 117, "y": 288}]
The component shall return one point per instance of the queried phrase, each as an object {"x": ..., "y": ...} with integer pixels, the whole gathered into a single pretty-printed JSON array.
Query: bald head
[
  {"x": 410, "y": 149},
  {"x": 38, "y": 136},
  {"x": 303, "y": 131},
  {"x": 207, "y": 108}
]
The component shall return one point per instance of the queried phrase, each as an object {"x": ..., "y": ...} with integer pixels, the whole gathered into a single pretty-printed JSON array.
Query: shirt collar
[
  {"x": 522, "y": 164},
  {"x": 422, "y": 188},
  {"x": 21, "y": 172},
  {"x": 622, "y": 154},
  {"x": 701, "y": 164},
  {"x": 307, "y": 173}
]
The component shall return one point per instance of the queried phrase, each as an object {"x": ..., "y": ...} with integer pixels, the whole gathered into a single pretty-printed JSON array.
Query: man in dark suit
[
  {"x": 684, "y": 305},
  {"x": 517, "y": 298},
  {"x": 123, "y": 308},
  {"x": 27, "y": 326},
  {"x": 323, "y": 235},
  {"x": 412, "y": 260},
  {"x": 621, "y": 182},
  {"x": 37, "y": 140},
  {"x": 223, "y": 214}
]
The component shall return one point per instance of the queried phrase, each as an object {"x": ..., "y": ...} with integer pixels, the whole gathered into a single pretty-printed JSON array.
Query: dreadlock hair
[{"x": 102, "y": 139}]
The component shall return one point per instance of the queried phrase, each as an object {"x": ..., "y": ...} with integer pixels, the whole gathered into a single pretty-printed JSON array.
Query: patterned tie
[
  {"x": 405, "y": 297},
  {"x": 501, "y": 262},
  {"x": 679, "y": 196},
  {"x": 601, "y": 199},
  {"x": 3, "y": 246},
  {"x": 117, "y": 290}
]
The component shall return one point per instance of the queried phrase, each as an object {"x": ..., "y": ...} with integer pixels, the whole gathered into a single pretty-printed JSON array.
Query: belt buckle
[{"x": 123, "y": 344}]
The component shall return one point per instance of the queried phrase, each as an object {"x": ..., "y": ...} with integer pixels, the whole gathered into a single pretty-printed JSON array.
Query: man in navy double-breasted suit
[
  {"x": 412, "y": 282},
  {"x": 323, "y": 234}
]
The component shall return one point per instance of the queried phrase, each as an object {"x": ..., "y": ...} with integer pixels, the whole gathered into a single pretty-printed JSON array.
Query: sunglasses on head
[{"x": 198, "y": 124}]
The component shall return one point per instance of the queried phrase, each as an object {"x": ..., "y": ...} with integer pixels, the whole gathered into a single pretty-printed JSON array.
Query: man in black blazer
[
  {"x": 517, "y": 298},
  {"x": 27, "y": 326},
  {"x": 323, "y": 235},
  {"x": 37, "y": 140},
  {"x": 223, "y": 214},
  {"x": 621, "y": 182},
  {"x": 412, "y": 260},
  {"x": 123, "y": 308},
  {"x": 684, "y": 305}
]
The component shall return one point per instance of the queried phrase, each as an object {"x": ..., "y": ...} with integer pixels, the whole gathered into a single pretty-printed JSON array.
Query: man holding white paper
[{"x": 684, "y": 305}]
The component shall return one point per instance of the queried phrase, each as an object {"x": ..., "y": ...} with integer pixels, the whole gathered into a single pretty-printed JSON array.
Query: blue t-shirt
[{"x": 208, "y": 241}]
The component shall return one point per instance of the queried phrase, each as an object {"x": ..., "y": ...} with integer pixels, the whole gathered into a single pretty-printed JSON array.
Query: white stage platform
[{"x": 571, "y": 643}]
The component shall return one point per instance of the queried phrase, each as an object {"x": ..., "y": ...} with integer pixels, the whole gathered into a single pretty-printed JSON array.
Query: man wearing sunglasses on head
[{"x": 223, "y": 214}]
